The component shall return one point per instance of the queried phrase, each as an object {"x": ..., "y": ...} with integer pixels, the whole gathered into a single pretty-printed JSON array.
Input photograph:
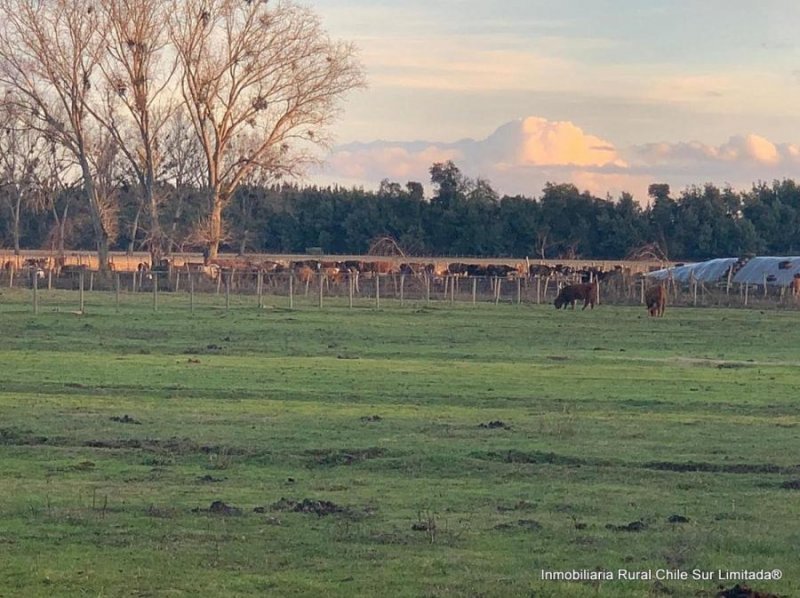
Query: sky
[{"x": 608, "y": 95}]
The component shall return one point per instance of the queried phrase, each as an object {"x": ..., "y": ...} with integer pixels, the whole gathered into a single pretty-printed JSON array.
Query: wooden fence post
[
  {"x": 228, "y": 291},
  {"x": 519, "y": 290},
  {"x": 291, "y": 290},
  {"x": 474, "y": 290},
  {"x": 35, "y": 293},
  {"x": 80, "y": 278},
  {"x": 377, "y": 291},
  {"x": 321, "y": 282},
  {"x": 351, "y": 286},
  {"x": 116, "y": 289},
  {"x": 427, "y": 289},
  {"x": 259, "y": 289},
  {"x": 155, "y": 291},
  {"x": 191, "y": 293},
  {"x": 402, "y": 286},
  {"x": 498, "y": 285}
]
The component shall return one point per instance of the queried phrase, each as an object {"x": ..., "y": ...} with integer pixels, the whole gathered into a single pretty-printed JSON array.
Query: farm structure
[{"x": 762, "y": 277}]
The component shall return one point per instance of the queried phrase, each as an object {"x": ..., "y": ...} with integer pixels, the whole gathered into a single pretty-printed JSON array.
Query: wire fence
[{"x": 74, "y": 288}]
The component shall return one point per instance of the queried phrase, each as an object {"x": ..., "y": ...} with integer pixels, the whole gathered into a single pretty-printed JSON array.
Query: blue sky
[{"x": 712, "y": 85}]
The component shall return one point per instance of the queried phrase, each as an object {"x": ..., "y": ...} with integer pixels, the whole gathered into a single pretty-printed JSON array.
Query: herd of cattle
[{"x": 333, "y": 272}]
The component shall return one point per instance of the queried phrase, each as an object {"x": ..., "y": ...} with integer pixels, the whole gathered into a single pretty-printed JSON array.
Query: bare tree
[
  {"x": 20, "y": 149},
  {"x": 49, "y": 53},
  {"x": 261, "y": 82},
  {"x": 53, "y": 191},
  {"x": 137, "y": 98},
  {"x": 183, "y": 171}
]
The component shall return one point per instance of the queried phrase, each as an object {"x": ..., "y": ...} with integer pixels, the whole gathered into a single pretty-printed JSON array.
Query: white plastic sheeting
[
  {"x": 710, "y": 271},
  {"x": 777, "y": 271}
]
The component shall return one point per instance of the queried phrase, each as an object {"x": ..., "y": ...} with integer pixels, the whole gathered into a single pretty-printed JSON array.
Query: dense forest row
[{"x": 463, "y": 217}]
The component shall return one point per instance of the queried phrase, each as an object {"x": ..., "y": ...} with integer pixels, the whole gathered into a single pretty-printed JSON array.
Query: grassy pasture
[{"x": 609, "y": 418}]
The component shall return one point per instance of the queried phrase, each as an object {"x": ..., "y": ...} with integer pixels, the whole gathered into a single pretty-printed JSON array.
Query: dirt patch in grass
[
  {"x": 677, "y": 519},
  {"x": 334, "y": 457},
  {"x": 207, "y": 479},
  {"x": 125, "y": 419},
  {"x": 207, "y": 350},
  {"x": 179, "y": 446},
  {"x": 320, "y": 508},
  {"x": 82, "y": 466},
  {"x": 371, "y": 418},
  {"x": 174, "y": 446},
  {"x": 743, "y": 591},
  {"x": 742, "y": 468},
  {"x": 522, "y": 505},
  {"x": 633, "y": 526},
  {"x": 526, "y": 524},
  {"x": 14, "y": 436},
  {"x": 538, "y": 457},
  {"x": 549, "y": 458},
  {"x": 219, "y": 508},
  {"x": 161, "y": 512},
  {"x": 494, "y": 425}
]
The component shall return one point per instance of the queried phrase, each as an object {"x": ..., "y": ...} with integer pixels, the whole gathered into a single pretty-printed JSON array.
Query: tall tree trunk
[
  {"x": 134, "y": 229},
  {"x": 156, "y": 235},
  {"x": 175, "y": 220},
  {"x": 100, "y": 232},
  {"x": 15, "y": 212},
  {"x": 215, "y": 226}
]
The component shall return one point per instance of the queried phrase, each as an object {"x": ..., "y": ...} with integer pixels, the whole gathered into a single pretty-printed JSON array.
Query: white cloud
[{"x": 523, "y": 155}]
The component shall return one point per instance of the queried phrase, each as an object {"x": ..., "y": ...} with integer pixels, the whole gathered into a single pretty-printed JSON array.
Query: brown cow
[
  {"x": 656, "y": 300},
  {"x": 795, "y": 286},
  {"x": 576, "y": 292}
]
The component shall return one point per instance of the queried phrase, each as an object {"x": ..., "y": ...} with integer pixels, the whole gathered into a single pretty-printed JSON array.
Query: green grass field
[{"x": 347, "y": 448}]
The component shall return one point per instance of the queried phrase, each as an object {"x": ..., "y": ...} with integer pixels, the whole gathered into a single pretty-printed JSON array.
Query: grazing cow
[
  {"x": 656, "y": 300},
  {"x": 576, "y": 292},
  {"x": 795, "y": 286}
]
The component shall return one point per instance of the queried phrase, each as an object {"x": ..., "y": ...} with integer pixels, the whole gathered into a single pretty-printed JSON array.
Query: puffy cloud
[
  {"x": 538, "y": 142},
  {"x": 523, "y": 155}
]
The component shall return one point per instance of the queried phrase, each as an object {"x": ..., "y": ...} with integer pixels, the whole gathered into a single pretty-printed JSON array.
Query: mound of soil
[
  {"x": 12, "y": 436},
  {"x": 207, "y": 479},
  {"x": 220, "y": 508},
  {"x": 526, "y": 524},
  {"x": 677, "y": 519},
  {"x": 742, "y": 591},
  {"x": 633, "y": 526},
  {"x": 692, "y": 466},
  {"x": 371, "y": 418},
  {"x": 493, "y": 425},
  {"x": 125, "y": 419},
  {"x": 522, "y": 505},
  {"x": 320, "y": 508}
]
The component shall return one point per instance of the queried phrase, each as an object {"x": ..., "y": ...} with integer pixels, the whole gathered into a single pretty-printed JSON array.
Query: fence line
[{"x": 361, "y": 290}]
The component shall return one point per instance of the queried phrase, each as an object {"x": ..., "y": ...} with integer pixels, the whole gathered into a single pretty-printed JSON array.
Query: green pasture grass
[{"x": 609, "y": 418}]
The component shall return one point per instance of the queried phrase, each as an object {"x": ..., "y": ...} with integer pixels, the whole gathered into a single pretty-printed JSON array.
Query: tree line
[{"x": 462, "y": 217}]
